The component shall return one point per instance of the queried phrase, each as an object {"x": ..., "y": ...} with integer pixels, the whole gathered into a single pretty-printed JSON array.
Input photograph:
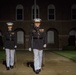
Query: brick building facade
[{"x": 58, "y": 19}]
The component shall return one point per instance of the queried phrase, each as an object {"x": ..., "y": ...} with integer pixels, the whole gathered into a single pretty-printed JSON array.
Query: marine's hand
[
  {"x": 15, "y": 46},
  {"x": 44, "y": 45},
  {"x": 3, "y": 48},
  {"x": 29, "y": 49}
]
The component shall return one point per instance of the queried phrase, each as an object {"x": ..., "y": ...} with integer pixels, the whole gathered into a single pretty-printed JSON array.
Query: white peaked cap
[
  {"x": 37, "y": 20},
  {"x": 9, "y": 23}
]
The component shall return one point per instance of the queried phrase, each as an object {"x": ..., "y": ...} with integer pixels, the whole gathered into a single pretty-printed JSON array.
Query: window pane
[
  {"x": 36, "y": 16},
  {"x": 73, "y": 11},
  {"x": 51, "y": 16},
  {"x": 19, "y": 14},
  {"x": 19, "y": 17},
  {"x": 19, "y": 11},
  {"x": 74, "y": 16},
  {"x": 51, "y": 11},
  {"x": 33, "y": 16},
  {"x": 36, "y": 11},
  {"x": 33, "y": 11},
  {"x": 0, "y": 34}
]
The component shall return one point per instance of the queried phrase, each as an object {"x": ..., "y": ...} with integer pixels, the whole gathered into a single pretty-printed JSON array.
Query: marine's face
[
  {"x": 37, "y": 24},
  {"x": 9, "y": 28}
]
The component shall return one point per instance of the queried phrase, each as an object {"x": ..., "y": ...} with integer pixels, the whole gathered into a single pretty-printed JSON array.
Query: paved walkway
[{"x": 53, "y": 65}]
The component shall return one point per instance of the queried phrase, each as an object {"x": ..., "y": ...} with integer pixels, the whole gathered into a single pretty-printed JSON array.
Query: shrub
[{"x": 69, "y": 48}]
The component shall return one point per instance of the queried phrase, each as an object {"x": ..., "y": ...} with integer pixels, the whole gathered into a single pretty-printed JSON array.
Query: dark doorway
[
  {"x": 71, "y": 40},
  {"x": 1, "y": 41}
]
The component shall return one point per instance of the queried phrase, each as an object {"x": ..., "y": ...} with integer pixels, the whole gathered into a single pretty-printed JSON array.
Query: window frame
[
  {"x": 73, "y": 7},
  {"x": 51, "y": 6},
  {"x": 32, "y": 16},
  {"x": 20, "y": 7}
]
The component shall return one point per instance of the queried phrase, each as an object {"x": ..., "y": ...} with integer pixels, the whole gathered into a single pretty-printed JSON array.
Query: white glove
[
  {"x": 44, "y": 45},
  {"x": 3, "y": 47},
  {"x": 15, "y": 46},
  {"x": 29, "y": 49}
]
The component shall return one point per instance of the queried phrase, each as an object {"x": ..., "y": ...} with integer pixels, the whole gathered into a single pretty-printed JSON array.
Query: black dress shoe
[
  {"x": 8, "y": 68},
  {"x": 11, "y": 67},
  {"x": 37, "y": 71}
]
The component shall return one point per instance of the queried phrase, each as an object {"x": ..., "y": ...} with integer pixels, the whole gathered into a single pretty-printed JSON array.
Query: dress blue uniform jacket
[
  {"x": 10, "y": 39},
  {"x": 37, "y": 38}
]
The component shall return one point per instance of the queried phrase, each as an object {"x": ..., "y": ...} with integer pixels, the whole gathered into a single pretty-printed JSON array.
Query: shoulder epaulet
[
  {"x": 41, "y": 30},
  {"x": 33, "y": 30},
  {"x": 12, "y": 33}
]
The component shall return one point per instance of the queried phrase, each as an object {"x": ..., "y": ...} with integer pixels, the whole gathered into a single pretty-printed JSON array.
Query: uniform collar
[{"x": 37, "y": 27}]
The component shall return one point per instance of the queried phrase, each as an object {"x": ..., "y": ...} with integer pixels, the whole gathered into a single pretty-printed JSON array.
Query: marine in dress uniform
[
  {"x": 37, "y": 43},
  {"x": 10, "y": 45}
]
